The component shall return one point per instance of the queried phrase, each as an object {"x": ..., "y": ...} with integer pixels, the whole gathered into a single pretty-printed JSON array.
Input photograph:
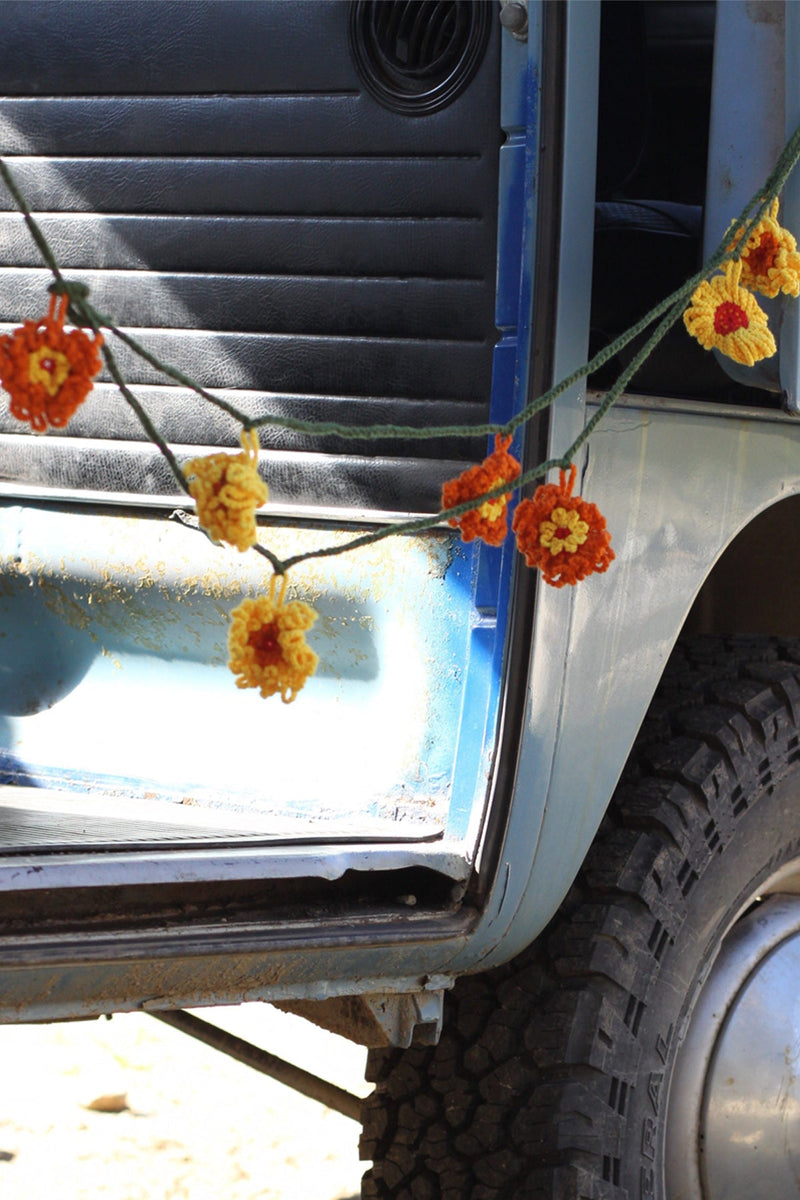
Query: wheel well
[{"x": 753, "y": 585}]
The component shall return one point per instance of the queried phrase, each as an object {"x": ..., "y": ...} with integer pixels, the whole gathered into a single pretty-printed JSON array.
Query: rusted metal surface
[{"x": 388, "y": 1019}]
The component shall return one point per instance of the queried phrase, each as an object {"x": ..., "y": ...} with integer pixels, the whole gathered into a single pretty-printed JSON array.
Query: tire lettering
[
  {"x": 663, "y": 1044},
  {"x": 654, "y": 1088},
  {"x": 649, "y": 1135},
  {"x": 648, "y": 1183}
]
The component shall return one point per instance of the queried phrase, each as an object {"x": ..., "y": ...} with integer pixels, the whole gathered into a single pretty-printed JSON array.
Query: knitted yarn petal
[{"x": 489, "y": 520}]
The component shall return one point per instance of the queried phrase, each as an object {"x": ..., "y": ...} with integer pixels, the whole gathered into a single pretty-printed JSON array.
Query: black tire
[{"x": 552, "y": 1077}]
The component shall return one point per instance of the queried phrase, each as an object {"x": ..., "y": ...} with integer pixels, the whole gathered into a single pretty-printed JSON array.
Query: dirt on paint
[{"x": 129, "y": 1109}]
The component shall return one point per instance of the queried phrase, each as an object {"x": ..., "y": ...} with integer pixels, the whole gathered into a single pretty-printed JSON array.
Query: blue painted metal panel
[
  {"x": 494, "y": 566},
  {"x": 115, "y": 676}
]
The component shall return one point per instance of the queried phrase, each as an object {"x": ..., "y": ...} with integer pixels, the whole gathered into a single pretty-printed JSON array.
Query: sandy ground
[{"x": 194, "y": 1125}]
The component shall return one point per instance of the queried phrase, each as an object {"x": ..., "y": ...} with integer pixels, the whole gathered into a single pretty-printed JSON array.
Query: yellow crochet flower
[
  {"x": 724, "y": 316},
  {"x": 267, "y": 645},
  {"x": 564, "y": 531},
  {"x": 227, "y": 490},
  {"x": 770, "y": 261}
]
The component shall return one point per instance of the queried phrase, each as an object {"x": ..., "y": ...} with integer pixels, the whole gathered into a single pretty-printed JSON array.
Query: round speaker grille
[{"x": 415, "y": 56}]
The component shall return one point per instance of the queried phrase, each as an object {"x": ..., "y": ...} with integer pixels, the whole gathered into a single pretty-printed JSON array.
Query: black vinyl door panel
[{"x": 235, "y": 196}]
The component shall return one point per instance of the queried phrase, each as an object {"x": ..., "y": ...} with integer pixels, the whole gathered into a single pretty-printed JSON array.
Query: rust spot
[{"x": 765, "y": 12}]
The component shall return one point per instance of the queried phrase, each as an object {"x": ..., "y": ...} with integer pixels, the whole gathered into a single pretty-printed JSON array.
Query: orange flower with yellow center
[
  {"x": 770, "y": 260},
  {"x": 48, "y": 370},
  {"x": 227, "y": 490},
  {"x": 724, "y": 316},
  {"x": 562, "y": 535},
  {"x": 487, "y": 521},
  {"x": 267, "y": 646}
]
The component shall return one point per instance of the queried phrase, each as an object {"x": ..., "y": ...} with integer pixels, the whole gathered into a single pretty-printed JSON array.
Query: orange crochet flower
[
  {"x": 561, "y": 534},
  {"x": 724, "y": 316},
  {"x": 489, "y": 520},
  {"x": 227, "y": 490},
  {"x": 770, "y": 261},
  {"x": 267, "y": 646},
  {"x": 46, "y": 370}
]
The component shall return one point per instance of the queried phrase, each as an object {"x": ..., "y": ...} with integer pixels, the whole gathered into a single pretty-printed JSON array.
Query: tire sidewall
[{"x": 766, "y": 838}]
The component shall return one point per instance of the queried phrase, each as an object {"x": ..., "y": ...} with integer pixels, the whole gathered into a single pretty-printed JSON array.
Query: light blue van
[{"x": 537, "y": 847}]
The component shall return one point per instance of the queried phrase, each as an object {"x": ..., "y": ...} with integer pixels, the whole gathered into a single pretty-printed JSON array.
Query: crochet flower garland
[
  {"x": 723, "y": 313},
  {"x": 47, "y": 370},
  {"x": 725, "y": 316},
  {"x": 227, "y": 490},
  {"x": 770, "y": 261},
  {"x": 489, "y": 520},
  {"x": 561, "y": 534},
  {"x": 267, "y": 645}
]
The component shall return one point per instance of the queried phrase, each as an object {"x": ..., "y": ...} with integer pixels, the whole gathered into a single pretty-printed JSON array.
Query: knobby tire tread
[{"x": 527, "y": 1093}]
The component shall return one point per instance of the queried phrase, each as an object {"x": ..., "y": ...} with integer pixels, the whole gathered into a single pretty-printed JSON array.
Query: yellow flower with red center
[
  {"x": 267, "y": 646},
  {"x": 770, "y": 260},
  {"x": 724, "y": 316},
  {"x": 48, "y": 367},
  {"x": 488, "y": 521},
  {"x": 564, "y": 531},
  {"x": 562, "y": 535},
  {"x": 227, "y": 490},
  {"x": 48, "y": 370}
]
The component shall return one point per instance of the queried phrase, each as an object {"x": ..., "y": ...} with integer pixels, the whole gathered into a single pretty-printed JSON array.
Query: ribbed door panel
[
  {"x": 235, "y": 198},
  {"x": 323, "y": 186},
  {"x": 374, "y": 248}
]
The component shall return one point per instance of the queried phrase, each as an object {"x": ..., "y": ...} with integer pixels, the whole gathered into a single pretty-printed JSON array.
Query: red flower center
[
  {"x": 729, "y": 317},
  {"x": 562, "y": 533},
  {"x": 266, "y": 645},
  {"x": 763, "y": 256}
]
